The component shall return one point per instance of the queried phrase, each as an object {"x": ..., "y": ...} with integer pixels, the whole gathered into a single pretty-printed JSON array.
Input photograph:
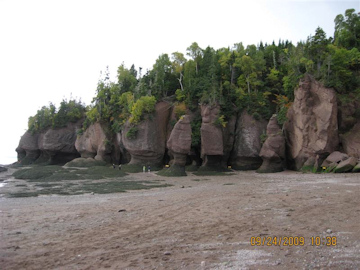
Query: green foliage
[
  {"x": 127, "y": 78},
  {"x": 238, "y": 78},
  {"x": 79, "y": 132},
  {"x": 347, "y": 30},
  {"x": 49, "y": 117},
  {"x": 180, "y": 110},
  {"x": 343, "y": 69},
  {"x": 144, "y": 105},
  {"x": 281, "y": 115},
  {"x": 195, "y": 131},
  {"x": 48, "y": 180},
  {"x": 283, "y": 105},
  {"x": 132, "y": 132},
  {"x": 85, "y": 162},
  {"x": 220, "y": 121},
  {"x": 180, "y": 95}
]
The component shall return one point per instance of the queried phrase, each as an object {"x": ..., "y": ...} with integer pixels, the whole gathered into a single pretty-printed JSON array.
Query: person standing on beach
[
  {"x": 144, "y": 169},
  {"x": 120, "y": 167},
  {"x": 149, "y": 169}
]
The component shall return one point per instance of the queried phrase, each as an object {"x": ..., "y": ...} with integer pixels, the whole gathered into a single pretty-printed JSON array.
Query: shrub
[
  {"x": 142, "y": 106},
  {"x": 220, "y": 121},
  {"x": 180, "y": 110},
  {"x": 132, "y": 132},
  {"x": 46, "y": 117}
]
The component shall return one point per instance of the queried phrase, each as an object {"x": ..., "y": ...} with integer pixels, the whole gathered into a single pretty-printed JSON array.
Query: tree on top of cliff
[
  {"x": 50, "y": 117},
  {"x": 238, "y": 78},
  {"x": 347, "y": 30}
]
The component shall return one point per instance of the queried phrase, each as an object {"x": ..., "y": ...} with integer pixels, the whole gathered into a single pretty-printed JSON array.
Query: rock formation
[
  {"x": 179, "y": 143},
  {"x": 28, "y": 149},
  {"x": 312, "y": 127},
  {"x": 351, "y": 141},
  {"x": 311, "y": 138},
  {"x": 212, "y": 148},
  {"x": 247, "y": 144},
  {"x": 357, "y": 167},
  {"x": 119, "y": 150},
  {"x": 273, "y": 149},
  {"x": 58, "y": 145},
  {"x": 348, "y": 113},
  {"x": 148, "y": 146},
  {"x": 228, "y": 140},
  {"x": 94, "y": 143},
  {"x": 53, "y": 146},
  {"x": 334, "y": 158},
  {"x": 346, "y": 165}
]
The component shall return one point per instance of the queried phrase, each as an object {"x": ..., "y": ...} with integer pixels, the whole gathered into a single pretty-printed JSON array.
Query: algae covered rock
[{"x": 346, "y": 165}]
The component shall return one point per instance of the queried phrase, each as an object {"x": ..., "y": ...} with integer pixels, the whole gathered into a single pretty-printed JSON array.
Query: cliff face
[
  {"x": 179, "y": 144},
  {"x": 247, "y": 144},
  {"x": 311, "y": 135},
  {"x": 147, "y": 147},
  {"x": 212, "y": 148},
  {"x": 94, "y": 143},
  {"x": 351, "y": 141},
  {"x": 53, "y": 146},
  {"x": 312, "y": 126}
]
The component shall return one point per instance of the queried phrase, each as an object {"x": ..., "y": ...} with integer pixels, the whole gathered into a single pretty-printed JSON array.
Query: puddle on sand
[{"x": 2, "y": 184}]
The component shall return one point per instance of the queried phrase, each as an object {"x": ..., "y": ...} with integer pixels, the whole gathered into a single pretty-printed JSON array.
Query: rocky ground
[{"x": 201, "y": 222}]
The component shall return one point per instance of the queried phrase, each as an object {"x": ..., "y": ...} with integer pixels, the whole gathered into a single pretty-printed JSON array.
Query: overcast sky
[{"x": 54, "y": 48}]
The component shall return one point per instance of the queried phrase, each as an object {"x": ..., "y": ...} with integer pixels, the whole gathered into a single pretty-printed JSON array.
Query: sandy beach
[{"x": 200, "y": 222}]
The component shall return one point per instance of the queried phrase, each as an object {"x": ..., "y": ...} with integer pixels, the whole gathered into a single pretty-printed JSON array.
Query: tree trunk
[
  {"x": 248, "y": 84},
  {"x": 180, "y": 81},
  {"x": 232, "y": 75}
]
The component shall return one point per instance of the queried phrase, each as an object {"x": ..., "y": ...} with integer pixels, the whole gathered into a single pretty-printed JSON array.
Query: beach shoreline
[{"x": 200, "y": 222}]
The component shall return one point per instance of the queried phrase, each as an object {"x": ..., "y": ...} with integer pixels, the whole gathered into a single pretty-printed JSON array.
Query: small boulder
[
  {"x": 334, "y": 157},
  {"x": 85, "y": 162},
  {"x": 346, "y": 165},
  {"x": 356, "y": 168}
]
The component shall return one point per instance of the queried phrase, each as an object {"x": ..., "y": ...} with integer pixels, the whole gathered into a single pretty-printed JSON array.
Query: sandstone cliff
[
  {"x": 273, "y": 149},
  {"x": 94, "y": 143},
  {"x": 179, "y": 144},
  {"x": 351, "y": 141},
  {"x": 53, "y": 146},
  {"x": 247, "y": 143},
  {"x": 312, "y": 127},
  {"x": 212, "y": 148},
  {"x": 148, "y": 145}
]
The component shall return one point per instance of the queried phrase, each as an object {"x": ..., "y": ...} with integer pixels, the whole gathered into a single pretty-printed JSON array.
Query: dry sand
[{"x": 199, "y": 223}]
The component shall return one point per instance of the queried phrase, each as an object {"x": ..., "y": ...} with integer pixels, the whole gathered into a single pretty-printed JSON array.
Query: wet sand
[{"x": 201, "y": 222}]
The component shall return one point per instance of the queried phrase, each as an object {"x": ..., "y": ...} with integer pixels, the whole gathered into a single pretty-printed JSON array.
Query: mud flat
[{"x": 200, "y": 222}]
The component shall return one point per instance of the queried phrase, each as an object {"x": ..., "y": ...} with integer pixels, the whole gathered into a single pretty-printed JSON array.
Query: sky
[{"x": 55, "y": 49}]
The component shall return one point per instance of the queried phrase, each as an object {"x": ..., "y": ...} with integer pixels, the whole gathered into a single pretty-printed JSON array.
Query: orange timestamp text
[{"x": 292, "y": 241}]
